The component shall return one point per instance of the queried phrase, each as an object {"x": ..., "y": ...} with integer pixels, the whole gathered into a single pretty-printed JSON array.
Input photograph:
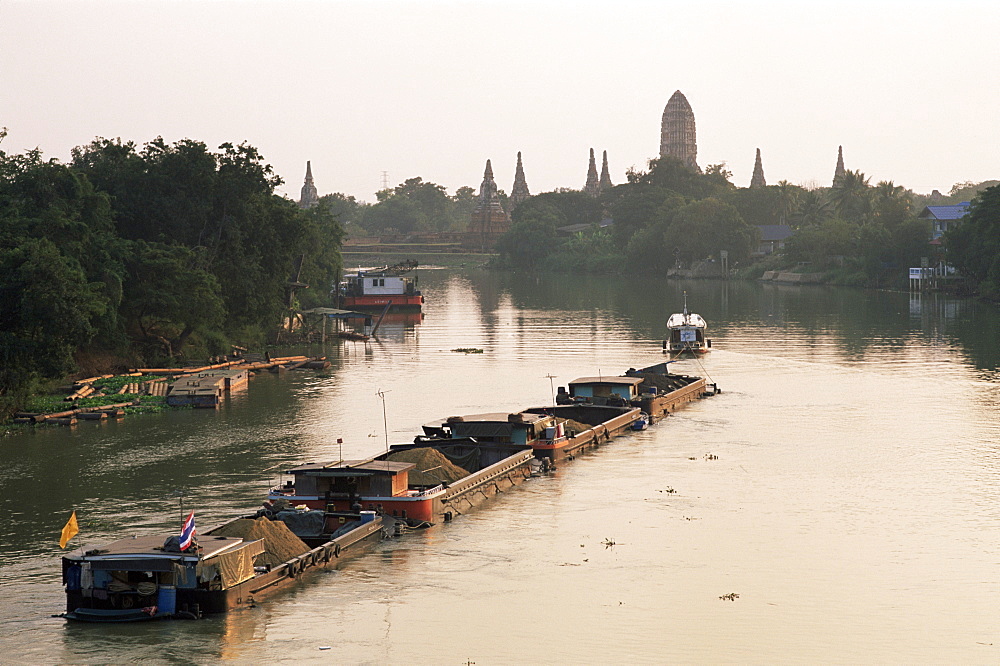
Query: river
[{"x": 844, "y": 487}]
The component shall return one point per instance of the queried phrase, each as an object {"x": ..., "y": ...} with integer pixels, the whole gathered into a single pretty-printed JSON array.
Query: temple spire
[
  {"x": 309, "y": 197},
  {"x": 606, "y": 183},
  {"x": 677, "y": 132},
  {"x": 758, "y": 174},
  {"x": 489, "y": 219},
  {"x": 593, "y": 186},
  {"x": 840, "y": 170},
  {"x": 488, "y": 194},
  {"x": 519, "y": 192}
]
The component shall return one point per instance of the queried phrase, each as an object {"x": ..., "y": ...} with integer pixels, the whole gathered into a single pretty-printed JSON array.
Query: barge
[
  {"x": 654, "y": 390},
  {"x": 429, "y": 481},
  {"x": 150, "y": 577},
  {"x": 553, "y": 433}
]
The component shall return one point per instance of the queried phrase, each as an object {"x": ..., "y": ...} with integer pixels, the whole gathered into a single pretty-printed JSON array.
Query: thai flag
[{"x": 187, "y": 534}]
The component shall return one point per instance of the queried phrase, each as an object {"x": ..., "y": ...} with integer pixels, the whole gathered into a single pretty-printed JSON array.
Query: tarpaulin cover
[
  {"x": 303, "y": 523},
  {"x": 485, "y": 429},
  {"x": 233, "y": 567}
]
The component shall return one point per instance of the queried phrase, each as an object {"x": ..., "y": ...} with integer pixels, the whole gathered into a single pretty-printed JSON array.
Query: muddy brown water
[{"x": 838, "y": 503}]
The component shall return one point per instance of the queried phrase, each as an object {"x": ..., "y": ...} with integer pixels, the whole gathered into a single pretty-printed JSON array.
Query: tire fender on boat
[{"x": 336, "y": 550}]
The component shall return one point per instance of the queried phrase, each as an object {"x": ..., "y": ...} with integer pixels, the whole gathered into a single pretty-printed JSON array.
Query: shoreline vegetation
[
  {"x": 140, "y": 256},
  {"x": 130, "y": 256}
]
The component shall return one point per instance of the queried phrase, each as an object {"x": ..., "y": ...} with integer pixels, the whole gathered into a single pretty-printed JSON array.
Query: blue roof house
[
  {"x": 773, "y": 237},
  {"x": 944, "y": 218}
]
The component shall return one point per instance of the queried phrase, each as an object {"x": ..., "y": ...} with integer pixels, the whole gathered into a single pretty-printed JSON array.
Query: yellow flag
[{"x": 69, "y": 531}]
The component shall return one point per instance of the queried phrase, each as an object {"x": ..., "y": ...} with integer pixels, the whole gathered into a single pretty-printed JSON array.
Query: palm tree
[
  {"x": 813, "y": 209},
  {"x": 891, "y": 203},
  {"x": 851, "y": 196},
  {"x": 788, "y": 197}
]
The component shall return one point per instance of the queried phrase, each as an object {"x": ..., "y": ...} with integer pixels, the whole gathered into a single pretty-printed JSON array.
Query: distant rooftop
[
  {"x": 949, "y": 212},
  {"x": 576, "y": 228},
  {"x": 774, "y": 232}
]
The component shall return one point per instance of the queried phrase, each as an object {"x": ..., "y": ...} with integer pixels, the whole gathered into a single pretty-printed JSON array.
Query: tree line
[
  {"x": 672, "y": 216},
  {"x": 139, "y": 255},
  {"x": 413, "y": 206}
]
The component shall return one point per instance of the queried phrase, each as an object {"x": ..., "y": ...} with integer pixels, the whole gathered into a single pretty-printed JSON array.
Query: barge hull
[
  {"x": 475, "y": 489},
  {"x": 661, "y": 406},
  {"x": 591, "y": 438}
]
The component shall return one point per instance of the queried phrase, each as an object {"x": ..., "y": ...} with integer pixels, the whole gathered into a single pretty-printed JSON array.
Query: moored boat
[
  {"x": 686, "y": 333},
  {"x": 150, "y": 577},
  {"x": 373, "y": 290}
]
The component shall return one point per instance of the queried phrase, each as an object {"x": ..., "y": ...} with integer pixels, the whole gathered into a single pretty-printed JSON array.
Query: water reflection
[{"x": 856, "y": 486}]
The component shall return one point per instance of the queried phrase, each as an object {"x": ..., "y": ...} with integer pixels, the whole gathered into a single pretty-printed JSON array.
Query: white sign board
[{"x": 689, "y": 335}]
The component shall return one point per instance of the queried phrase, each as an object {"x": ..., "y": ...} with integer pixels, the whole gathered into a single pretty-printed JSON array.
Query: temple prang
[
  {"x": 758, "y": 174},
  {"x": 677, "y": 132},
  {"x": 488, "y": 220},
  {"x": 839, "y": 172},
  {"x": 593, "y": 186},
  {"x": 519, "y": 192},
  {"x": 309, "y": 197},
  {"x": 605, "y": 183}
]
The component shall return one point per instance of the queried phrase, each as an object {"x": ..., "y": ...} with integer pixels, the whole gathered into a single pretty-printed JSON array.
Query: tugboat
[
  {"x": 373, "y": 290},
  {"x": 686, "y": 333}
]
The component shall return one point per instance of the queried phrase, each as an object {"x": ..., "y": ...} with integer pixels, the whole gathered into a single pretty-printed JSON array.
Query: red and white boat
[{"x": 373, "y": 290}]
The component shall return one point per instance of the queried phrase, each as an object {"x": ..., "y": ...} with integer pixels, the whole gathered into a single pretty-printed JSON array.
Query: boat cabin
[
  {"x": 520, "y": 428},
  {"x": 143, "y": 572},
  {"x": 589, "y": 388},
  {"x": 351, "y": 478},
  {"x": 378, "y": 284},
  {"x": 686, "y": 330}
]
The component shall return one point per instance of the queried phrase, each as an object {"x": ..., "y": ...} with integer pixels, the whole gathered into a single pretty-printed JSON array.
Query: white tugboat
[{"x": 686, "y": 333}]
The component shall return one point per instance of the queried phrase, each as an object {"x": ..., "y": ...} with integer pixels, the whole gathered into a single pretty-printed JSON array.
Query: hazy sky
[{"x": 433, "y": 89}]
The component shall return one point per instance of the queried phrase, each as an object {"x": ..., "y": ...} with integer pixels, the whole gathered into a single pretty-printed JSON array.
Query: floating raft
[{"x": 198, "y": 387}]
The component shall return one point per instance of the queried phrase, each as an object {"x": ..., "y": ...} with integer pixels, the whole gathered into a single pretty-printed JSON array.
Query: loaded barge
[
  {"x": 429, "y": 481},
  {"x": 328, "y": 511},
  {"x": 150, "y": 577},
  {"x": 654, "y": 390}
]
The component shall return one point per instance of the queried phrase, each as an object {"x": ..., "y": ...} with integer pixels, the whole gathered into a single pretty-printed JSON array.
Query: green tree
[
  {"x": 702, "y": 228},
  {"x": 167, "y": 297},
  {"x": 47, "y": 311},
  {"x": 851, "y": 197},
  {"x": 532, "y": 236},
  {"x": 973, "y": 247},
  {"x": 812, "y": 209}
]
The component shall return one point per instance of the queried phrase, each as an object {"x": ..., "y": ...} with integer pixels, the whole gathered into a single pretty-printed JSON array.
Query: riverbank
[{"x": 427, "y": 260}]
